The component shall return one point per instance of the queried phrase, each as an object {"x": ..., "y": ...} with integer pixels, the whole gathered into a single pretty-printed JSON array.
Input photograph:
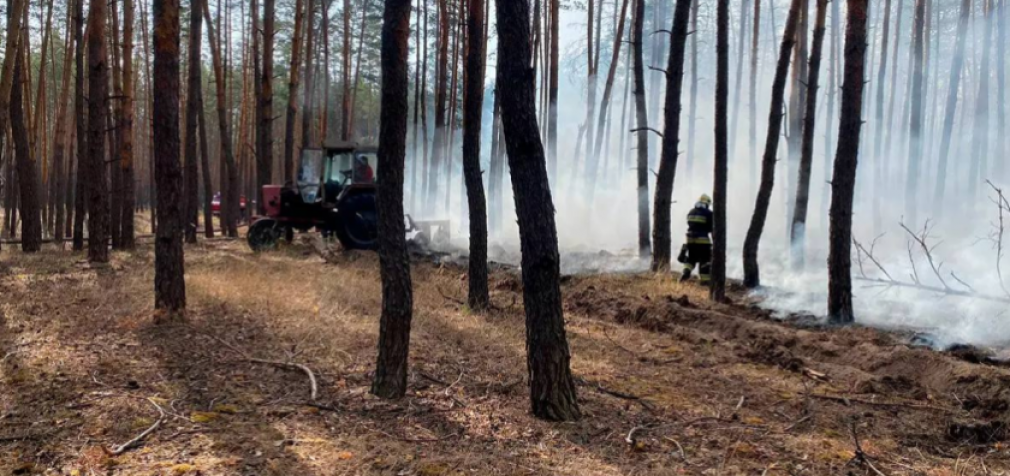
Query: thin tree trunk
[
  {"x": 345, "y": 117},
  {"x": 115, "y": 137},
  {"x": 552, "y": 389},
  {"x": 83, "y": 165},
  {"x": 797, "y": 99},
  {"x": 717, "y": 289},
  {"x": 752, "y": 109},
  {"x": 915, "y": 120},
  {"x": 477, "y": 296},
  {"x": 642, "y": 124},
  {"x": 738, "y": 82},
  {"x": 357, "y": 64},
  {"x": 592, "y": 167},
  {"x": 591, "y": 96},
  {"x": 671, "y": 138},
  {"x": 292, "y": 116},
  {"x": 552, "y": 90},
  {"x": 799, "y": 225},
  {"x": 878, "y": 157},
  {"x": 829, "y": 126},
  {"x": 126, "y": 240},
  {"x": 62, "y": 160},
  {"x": 390, "y": 379},
  {"x": 308, "y": 95},
  {"x": 31, "y": 221},
  {"x": 230, "y": 207},
  {"x": 1001, "y": 140},
  {"x": 843, "y": 184},
  {"x": 980, "y": 140},
  {"x": 264, "y": 132},
  {"x": 208, "y": 191},
  {"x": 194, "y": 100},
  {"x": 98, "y": 98},
  {"x": 692, "y": 114},
  {"x": 169, "y": 283},
  {"x": 438, "y": 146},
  {"x": 751, "y": 272}
]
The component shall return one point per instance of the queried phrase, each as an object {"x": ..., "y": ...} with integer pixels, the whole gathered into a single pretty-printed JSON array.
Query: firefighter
[
  {"x": 362, "y": 171},
  {"x": 697, "y": 251}
]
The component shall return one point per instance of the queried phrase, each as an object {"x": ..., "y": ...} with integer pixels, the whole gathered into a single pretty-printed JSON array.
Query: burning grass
[{"x": 668, "y": 383}]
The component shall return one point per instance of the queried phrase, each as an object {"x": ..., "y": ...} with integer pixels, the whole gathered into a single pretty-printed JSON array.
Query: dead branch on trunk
[
  {"x": 997, "y": 236},
  {"x": 640, "y": 129},
  {"x": 921, "y": 239}
]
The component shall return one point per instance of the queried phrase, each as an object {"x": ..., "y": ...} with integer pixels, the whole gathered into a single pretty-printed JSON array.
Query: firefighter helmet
[{"x": 705, "y": 199}]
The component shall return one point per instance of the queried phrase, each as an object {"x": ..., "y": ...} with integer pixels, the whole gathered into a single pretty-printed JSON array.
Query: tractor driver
[
  {"x": 362, "y": 171},
  {"x": 698, "y": 249}
]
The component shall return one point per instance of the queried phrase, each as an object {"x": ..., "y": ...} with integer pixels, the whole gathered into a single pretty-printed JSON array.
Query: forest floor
[{"x": 668, "y": 383}]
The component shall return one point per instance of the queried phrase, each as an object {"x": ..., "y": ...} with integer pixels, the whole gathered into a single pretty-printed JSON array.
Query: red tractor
[{"x": 334, "y": 193}]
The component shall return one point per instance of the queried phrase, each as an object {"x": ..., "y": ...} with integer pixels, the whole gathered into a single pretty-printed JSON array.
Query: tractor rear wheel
[
  {"x": 358, "y": 223},
  {"x": 264, "y": 234}
]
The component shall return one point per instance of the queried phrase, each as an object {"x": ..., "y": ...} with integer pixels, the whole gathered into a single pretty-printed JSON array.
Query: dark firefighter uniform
[{"x": 697, "y": 251}]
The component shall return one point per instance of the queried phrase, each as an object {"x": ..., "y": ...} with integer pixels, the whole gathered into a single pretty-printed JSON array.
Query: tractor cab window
[
  {"x": 357, "y": 167},
  {"x": 309, "y": 174},
  {"x": 339, "y": 164}
]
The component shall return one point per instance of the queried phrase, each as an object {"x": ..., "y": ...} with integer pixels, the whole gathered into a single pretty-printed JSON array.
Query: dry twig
[{"x": 118, "y": 450}]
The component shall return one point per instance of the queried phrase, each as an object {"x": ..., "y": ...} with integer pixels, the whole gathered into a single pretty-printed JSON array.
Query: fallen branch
[
  {"x": 276, "y": 363},
  {"x": 936, "y": 289},
  {"x": 683, "y": 454},
  {"x": 850, "y": 400},
  {"x": 861, "y": 456},
  {"x": 118, "y": 450}
]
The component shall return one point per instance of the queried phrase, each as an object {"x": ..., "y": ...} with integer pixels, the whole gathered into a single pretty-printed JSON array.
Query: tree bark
[
  {"x": 843, "y": 182},
  {"x": 878, "y": 157},
  {"x": 31, "y": 221},
  {"x": 264, "y": 131},
  {"x": 98, "y": 99},
  {"x": 169, "y": 283},
  {"x": 915, "y": 119},
  {"x": 230, "y": 207},
  {"x": 113, "y": 134},
  {"x": 83, "y": 166},
  {"x": 357, "y": 63},
  {"x": 126, "y": 240},
  {"x": 642, "y": 124},
  {"x": 717, "y": 288},
  {"x": 751, "y": 271},
  {"x": 292, "y": 116},
  {"x": 478, "y": 296},
  {"x": 671, "y": 137},
  {"x": 552, "y": 389},
  {"x": 194, "y": 100},
  {"x": 61, "y": 160},
  {"x": 345, "y": 116},
  {"x": 798, "y": 229},
  {"x": 752, "y": 106},
  {"x": 692, "y": 114},
  {"x": 552, "y": 90},
  {"x": 394, "y": 265},
  {"x": 308, "y": 96}
]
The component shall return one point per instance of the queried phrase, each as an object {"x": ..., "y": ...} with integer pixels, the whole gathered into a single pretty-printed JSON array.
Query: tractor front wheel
[{"x": 264, "y": 234}]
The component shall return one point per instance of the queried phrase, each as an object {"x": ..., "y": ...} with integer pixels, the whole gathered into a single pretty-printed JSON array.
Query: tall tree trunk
[
  {"x": 642, "y": 124},
  {"x": 798, "y": 229},
  {"x": 194, "y": 108},
  {"x": 843, "y": 184},
  {"x": 751, "y": 271},
  {"x": 915, "y": 120},
  {"x": 980, "y": 141},
  {"x": 591, "y": 95},
  {"x": 292, "y": 116},
  {"x": 169, "y": 283},
  {"x": 264, "y": 130},
  {"x": 717, "y": 289},
  {"x": 661, "y": 234},
  {"x": 552, "y": 91},
  {"x": 438, "y": 146},
  {"x": 114, "y": 135},
  {"x": 890, "y": 125},
  {"x": 752, "y": 106},
  {"x": 345, "y": 116},
  {"x": 31, "y": 221},
  {"x": 98, "y": 98},
  {"x": 1001, "y": 141},
  {"x": 206, "y": 182},
  {"x": 308, "y": 96},
  {"x": 390, "y": 379},
  {"x": 83, "y": 165},
  {"x": 797, "y": 99},
  {"x": 738, "y": 82},
  {"x": 61, "y": 160},
  {"x": 497, "y": 165},
  {"x": 692, "y": 114},
  {"x": 552, "y": 389},
  {"x": 127, "y": 206},
  {"x": 39, "y": 134},
  {"x": 878, "y": 157},
  {"x": 357, "y": 63},
  {"x": 477, "y": 297},
  {"x": 592, "y": 167},
  {"x": 833, "y": 67},
  {"x": 230, "y": 207}
]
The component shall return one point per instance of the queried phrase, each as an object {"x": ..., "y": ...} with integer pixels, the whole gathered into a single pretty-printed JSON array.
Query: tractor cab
[{"x": 325, "y": 174}]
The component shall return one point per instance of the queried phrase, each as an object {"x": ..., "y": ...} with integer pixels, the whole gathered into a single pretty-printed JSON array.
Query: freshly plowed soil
[{"x": 668, "y": 383}]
